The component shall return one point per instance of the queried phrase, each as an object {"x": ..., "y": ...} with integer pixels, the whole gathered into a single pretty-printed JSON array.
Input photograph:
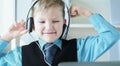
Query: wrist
[
  {"x": 6, "y": 37},
  {"x": 88, "y": 13}
]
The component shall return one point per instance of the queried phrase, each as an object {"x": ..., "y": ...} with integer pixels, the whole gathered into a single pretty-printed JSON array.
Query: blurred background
[{"x": 12, "y": 11}]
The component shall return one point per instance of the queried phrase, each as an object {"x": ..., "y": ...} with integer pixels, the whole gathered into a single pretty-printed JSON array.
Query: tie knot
[{"x": 47, "y": 46}]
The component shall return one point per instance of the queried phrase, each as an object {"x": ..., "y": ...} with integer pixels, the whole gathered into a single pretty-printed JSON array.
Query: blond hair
[{"x": 43, "y": 4}]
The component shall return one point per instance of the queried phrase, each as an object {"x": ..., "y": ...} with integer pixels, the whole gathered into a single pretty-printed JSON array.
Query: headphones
[{"x": 30, "y": 21}]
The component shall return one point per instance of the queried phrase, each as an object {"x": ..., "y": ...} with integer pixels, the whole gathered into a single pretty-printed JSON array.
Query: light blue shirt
[{"x": 88, "y": 49}]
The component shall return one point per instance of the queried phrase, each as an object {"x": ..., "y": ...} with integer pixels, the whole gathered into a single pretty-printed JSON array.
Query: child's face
[{"x": 49, "y": 24}]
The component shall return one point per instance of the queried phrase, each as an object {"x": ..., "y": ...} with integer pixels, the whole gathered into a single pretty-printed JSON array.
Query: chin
[{"x": 50, "y": 40}]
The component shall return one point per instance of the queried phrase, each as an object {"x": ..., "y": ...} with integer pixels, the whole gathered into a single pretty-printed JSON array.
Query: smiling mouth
[{"x": 50, "y": 33}]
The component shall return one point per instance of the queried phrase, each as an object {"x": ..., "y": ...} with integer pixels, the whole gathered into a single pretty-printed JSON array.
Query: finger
[
  {"x": 23, "y": 32},
  {"x": 17, "y": 25},
  {"x": 13, "y": 26},
  {"x": 73, "y": 15},
  {"x": 22, "y": 22}
]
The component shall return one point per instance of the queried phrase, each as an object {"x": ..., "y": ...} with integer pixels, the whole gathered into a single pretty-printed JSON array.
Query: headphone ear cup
[
  {"x": 64, "y": 27},
  {"x": 63, "y": 32},
  {"x": 29, "y": 24}
]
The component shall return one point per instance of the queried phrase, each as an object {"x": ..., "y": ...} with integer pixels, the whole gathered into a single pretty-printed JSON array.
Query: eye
[
  {"x": 41, "y": 21},
  {"x": 55, "y": 21}
]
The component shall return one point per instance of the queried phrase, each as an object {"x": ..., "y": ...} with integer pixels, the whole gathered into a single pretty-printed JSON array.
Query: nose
[{"x": 49, "y": 25}]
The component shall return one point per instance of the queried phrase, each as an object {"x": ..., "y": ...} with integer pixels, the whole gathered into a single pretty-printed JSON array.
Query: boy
[{"x": 48, "y": 24}]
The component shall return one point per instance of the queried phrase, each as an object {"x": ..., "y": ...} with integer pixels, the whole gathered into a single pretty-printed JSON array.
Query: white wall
[
  {"x": 22, "y": 8},
  {"x": 115, "y": 15},
  {"x": 7, "y": 15}
]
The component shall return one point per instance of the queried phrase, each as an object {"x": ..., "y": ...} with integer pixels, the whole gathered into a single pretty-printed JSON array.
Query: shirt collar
[{"x": 57, "y": 42}]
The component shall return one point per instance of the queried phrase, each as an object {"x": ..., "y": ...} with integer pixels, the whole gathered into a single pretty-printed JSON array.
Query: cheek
[
  {"x": 59, "y": 28},
  {"x": 38, "y": 28}
]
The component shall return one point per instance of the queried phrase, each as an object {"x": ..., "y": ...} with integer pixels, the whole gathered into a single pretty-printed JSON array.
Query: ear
[
  {"x": 64, "y": 25},
  {"x": 64, "y": 21},
  {"x": 33, "y": 26}
]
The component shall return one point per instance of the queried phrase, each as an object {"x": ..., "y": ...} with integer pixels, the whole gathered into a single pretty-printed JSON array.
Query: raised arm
[
  {"x": 13, "y": 57},
  {"x": 92, "y": 47}
]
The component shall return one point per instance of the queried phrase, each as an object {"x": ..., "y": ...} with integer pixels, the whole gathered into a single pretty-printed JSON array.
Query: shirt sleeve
[
  {"x": 11, "y": 58},
  {"x": 3, "y": 45},
  {"x": 92, "y": 47}
]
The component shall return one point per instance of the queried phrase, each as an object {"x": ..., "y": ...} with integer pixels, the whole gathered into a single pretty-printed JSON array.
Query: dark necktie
[{"x": 50, "y": 50}]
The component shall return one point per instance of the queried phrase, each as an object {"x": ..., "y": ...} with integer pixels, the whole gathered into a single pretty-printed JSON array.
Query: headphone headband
[{"x": 31, "y": 9}]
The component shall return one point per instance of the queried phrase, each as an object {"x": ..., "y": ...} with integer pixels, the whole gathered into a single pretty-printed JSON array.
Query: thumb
[{"x": 23, "y": 32}]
